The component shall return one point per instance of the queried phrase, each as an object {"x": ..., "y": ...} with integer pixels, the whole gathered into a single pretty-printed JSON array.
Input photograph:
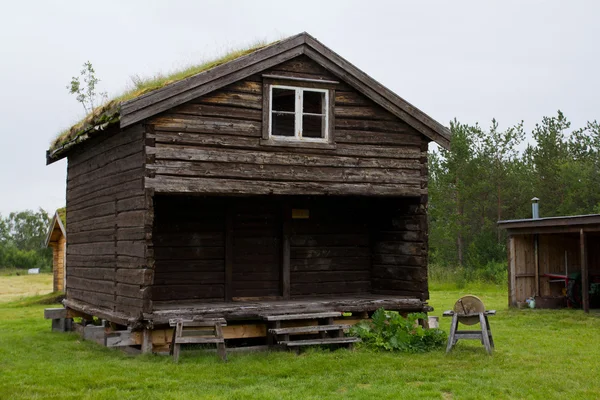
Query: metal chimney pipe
[{"x": 535, "y": 208}]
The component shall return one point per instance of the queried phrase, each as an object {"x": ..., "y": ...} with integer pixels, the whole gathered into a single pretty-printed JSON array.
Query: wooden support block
[
  {"x": 55, "y": 313},
  {"x": 94, "y": 333},
  {"x": 62, "y": 325},
  {"x": 123, "y": 338},
  {"x": 147, "y": 341}
]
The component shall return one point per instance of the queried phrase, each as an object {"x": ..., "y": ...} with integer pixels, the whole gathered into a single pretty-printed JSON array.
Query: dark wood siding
[
  {"x": 399, "y": 248},
  {"x": 256, "y": 232},
  {"x": 330, "y": 252},
  {"x": 106, "y": 217},
  {"x": 212, "y": 145},
  {"x": 189, "y": 248}
]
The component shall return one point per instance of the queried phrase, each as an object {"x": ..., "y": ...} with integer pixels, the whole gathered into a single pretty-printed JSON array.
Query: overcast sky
[{"x": 473, "y": 60}]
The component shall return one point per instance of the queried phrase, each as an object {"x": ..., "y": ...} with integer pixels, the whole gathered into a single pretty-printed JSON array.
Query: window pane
[
  {"x": 284, "y": 100},
  {"x": 282, "y": 124},
  {"x": 313, "y": 102},
  {"x": 312, "y": 126}
]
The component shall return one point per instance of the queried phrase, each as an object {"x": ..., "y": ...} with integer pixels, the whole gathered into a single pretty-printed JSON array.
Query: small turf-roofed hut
[
  {"x": 57, "y": 240},
  {"x": 280, "y": 181}
]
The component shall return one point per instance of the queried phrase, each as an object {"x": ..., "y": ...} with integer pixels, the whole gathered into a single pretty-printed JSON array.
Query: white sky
[{"x": 473, "y": 60}]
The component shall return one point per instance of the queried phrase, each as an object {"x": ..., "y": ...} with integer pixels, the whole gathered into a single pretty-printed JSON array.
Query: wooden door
[{"x": 256, "y": 249}]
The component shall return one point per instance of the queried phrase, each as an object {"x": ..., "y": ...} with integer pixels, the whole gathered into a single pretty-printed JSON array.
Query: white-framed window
[{"x": 298, "y": 114}]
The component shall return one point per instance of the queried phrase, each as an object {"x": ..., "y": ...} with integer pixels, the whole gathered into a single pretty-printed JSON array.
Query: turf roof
[
  {"x": 109, "y": 112},
  {"x": 62, "y": 214}
]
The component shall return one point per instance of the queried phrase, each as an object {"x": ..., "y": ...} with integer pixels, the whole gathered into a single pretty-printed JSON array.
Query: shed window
[{"x": 298, "y": 113}]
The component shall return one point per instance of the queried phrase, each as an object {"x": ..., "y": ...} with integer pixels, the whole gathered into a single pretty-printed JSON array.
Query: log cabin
[{"x": 282, "y": 182}]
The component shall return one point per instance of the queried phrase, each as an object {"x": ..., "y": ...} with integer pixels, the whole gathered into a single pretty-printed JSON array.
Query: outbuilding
[
  {"x": 57, "y": 240},
  {"x": 554, "y": 260},
  {"x": 284, "y": 181}
]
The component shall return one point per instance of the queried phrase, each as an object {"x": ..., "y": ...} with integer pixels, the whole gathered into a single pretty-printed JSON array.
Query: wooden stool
[
  {"x": 469, "y": 310},
  {"x": 212, "y": 334}
]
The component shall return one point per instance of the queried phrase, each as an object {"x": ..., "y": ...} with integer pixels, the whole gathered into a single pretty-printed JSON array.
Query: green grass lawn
[{"x": 539, "y": 354}]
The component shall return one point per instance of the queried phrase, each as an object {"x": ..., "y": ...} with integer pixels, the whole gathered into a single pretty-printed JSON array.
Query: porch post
[
  {"x": 285, "y": 251},
  {"x": 228, "y": 253},
  {"x": 585, "y": 292}
]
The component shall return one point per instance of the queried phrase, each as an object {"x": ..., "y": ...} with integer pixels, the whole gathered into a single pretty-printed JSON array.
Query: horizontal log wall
[
  {"x": 329, "y": 251},
  {"x": 106, "y": 235},
  {"x": 256, "y": 247},
  {"x": 189, "y": 248},
  {"x": 399, "y": 248},
  {"x": 213, "y": 145}
]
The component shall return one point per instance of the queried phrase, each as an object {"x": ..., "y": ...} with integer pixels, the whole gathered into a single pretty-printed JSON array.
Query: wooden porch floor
[{"x": 249, "y": 310}]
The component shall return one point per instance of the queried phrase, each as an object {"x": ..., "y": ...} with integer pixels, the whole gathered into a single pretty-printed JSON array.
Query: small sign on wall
[{"x": 300, "y": 213}]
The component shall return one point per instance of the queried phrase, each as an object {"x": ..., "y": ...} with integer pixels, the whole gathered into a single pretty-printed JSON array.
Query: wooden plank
[
  {"x": 283, "y": 173},
  {"x": 288, "y": 317},
  {"x": 512, "y": 273},
  {"x": 321, "y": 342},
  {"x": 222, "y": 111},
  {"x": 169, "y": 184},
  {"x": 198, "y": 340},
  {"x": 229, "y": 252},
  {"x": 309, "y": 329},
  {"x": 200, "y": 124},
  {"x": 198, "y": 323}
]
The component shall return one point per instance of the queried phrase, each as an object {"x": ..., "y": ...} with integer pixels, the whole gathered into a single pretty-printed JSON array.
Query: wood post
[
  {"x": 147, "y": 341},
  {"x": 585, "y": 291},
  {"x": 286, "y": 252},
  {"x": 512, "y": 283},
  {"x": 536, "y": 243},
  {"x": 229, "y": 253}
]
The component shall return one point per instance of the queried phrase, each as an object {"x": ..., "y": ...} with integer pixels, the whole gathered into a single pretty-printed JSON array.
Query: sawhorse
[{"x": 484, "y": 335}]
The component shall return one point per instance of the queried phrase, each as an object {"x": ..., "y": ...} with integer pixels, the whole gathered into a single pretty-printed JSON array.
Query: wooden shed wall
[
  {"x": 217, "y": 136},
  {"x": 58, "y": 263},
  {"x": 106, "y": 248}
]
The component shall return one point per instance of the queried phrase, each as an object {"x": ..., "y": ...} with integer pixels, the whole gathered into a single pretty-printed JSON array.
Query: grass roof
[
  {"x": 62, "y": 214},
  {"x": 109, "y": 112}
]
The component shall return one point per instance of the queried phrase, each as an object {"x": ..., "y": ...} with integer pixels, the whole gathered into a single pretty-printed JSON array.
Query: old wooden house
[
  {"x": 57, "y": 240},
  {"x": 554, "y": 260},
  {"x": 285, "y": 181}
]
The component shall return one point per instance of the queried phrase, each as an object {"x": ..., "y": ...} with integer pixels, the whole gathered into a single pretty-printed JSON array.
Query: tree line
[
  {"x": 492, "y": 174},
  {"x": 22, "y": 240}
]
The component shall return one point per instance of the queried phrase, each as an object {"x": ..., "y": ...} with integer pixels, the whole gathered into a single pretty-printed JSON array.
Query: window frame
[
  {"x": 302, "y": 85},
  {"x": 299, "y": 114}
]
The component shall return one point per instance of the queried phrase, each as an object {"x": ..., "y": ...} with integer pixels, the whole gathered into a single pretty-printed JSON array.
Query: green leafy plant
[
  {"x": 86, "y": 92},
  {"x": 390, "y": 331}
]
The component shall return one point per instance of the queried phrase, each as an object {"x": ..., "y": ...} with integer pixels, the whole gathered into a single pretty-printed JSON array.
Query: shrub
[{"x": 390, "y": 331}]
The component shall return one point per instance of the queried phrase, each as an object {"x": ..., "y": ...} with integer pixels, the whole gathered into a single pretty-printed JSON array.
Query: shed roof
[
  {"x": 589, "y": 222},
  {"x": 130, "y": 111},
  {"x": 57, "y": 226}
]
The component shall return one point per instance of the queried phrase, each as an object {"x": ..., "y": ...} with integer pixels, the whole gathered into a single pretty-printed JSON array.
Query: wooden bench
[{"x": 182, "y": 334}]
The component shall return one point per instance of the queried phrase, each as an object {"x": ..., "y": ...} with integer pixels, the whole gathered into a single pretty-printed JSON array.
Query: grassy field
[
  {"x": 13, "y": 286},
  {"x": 539, "y": 354}
]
